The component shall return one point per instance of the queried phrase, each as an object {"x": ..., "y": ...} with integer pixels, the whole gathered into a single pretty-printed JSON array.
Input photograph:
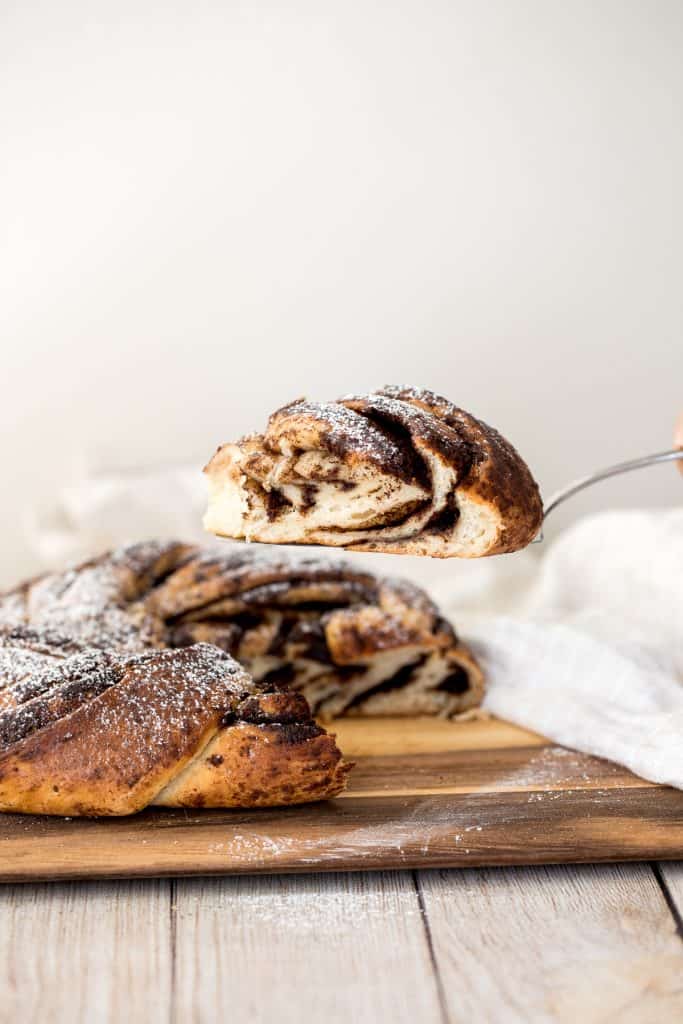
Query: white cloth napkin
[
  {"x": 582, "y": 639},
  {"x": 592, "y": 657},
  {"x": 101, "y": 511}
]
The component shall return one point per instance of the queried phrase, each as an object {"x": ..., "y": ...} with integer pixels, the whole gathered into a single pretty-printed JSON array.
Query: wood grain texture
[
  {"x": 670, "y": 877},
  {"x": 590, "y": 944},
  {"x": 594, "y": 944},
  {"x": 360, "y": 737},
  {"x": 86, "y": 954},
  {"x": 480, "y": 793},
  {"x": 340, "y": 948}
]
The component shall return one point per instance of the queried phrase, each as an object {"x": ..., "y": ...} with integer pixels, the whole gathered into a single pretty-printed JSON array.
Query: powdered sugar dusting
[
  {"x": 344, "y": 429},
  {"x": 165, "y": 699}
]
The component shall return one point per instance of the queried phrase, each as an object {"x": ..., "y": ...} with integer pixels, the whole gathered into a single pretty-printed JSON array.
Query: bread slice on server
[{"x": 401, "y": 470}]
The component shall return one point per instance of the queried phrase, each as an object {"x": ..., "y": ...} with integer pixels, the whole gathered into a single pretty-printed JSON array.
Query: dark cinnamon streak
[{"x": 496, "y": 469}]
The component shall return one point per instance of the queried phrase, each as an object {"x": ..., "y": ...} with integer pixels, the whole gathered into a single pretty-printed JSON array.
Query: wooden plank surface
[
  {"x": 86, "y": 954},
  {"x": 423, "y": 794},
  {"x": 589, "y": 944},
  {"x": 346, "y": 948},
  {"x": 670, "y": 877}
]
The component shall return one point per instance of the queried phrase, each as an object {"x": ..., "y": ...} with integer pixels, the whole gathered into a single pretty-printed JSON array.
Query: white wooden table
[{"x": 574, "y": 944}]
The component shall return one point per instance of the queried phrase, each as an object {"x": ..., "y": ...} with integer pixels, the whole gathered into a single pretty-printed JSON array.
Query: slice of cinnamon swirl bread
[{"x": 401, "y": 470}]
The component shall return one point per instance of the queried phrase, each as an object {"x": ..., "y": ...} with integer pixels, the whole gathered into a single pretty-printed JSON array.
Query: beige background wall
[{"x": 208, "y": 209}]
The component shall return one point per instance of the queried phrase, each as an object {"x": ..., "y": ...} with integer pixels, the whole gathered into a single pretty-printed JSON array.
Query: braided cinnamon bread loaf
[
  {"x": 351, "y": 642},
  {"x": 100, "y": 721},
  {"x": 401, "y": 470},
  {"x": 118, "y": 685}
]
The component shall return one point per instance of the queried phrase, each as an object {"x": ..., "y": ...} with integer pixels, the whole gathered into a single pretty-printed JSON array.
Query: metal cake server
[{"x": 603, "y": 474}]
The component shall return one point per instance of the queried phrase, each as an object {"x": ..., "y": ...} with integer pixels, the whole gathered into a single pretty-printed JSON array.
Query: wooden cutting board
[{"x": 424, "y": 793}]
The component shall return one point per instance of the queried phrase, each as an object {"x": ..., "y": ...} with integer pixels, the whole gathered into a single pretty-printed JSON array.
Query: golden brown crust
[
  {"x": 497, "y": 474},
  {"x": 160, "y": 727},
  {"x": 275, "y": 755},
  {"x": 114, "y": 752}
]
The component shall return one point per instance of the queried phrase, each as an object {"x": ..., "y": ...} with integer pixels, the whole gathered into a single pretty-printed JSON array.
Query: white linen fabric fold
[
  {"x": 593, "y": 658},
  {"x": 104, "y": 510}
]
